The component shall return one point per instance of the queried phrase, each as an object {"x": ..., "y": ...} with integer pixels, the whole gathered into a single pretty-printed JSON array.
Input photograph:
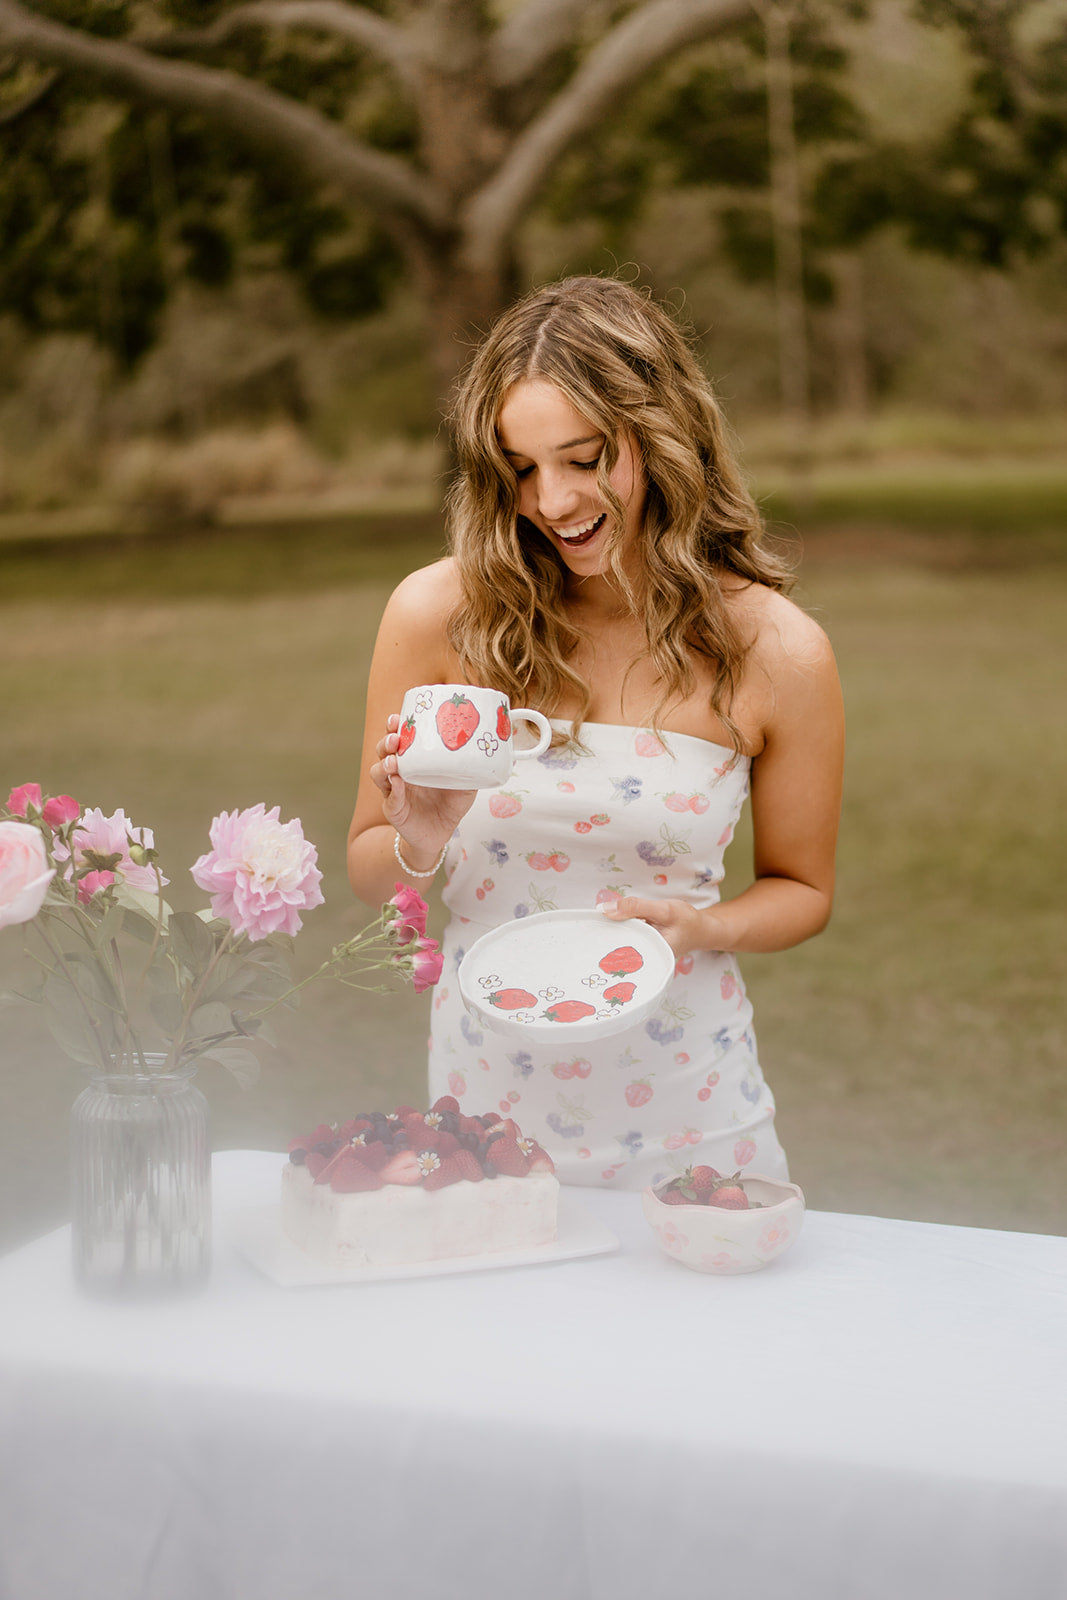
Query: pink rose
[
  {"x": 21, "y": 799},
  {"x": 92, "y": 883},
  {"x": 24, "y": 872},
  {"x": 260, "y": 873},
  {"x": 411, "y": 910},
  {"x": 61, "y": 809},
  {"x": 424, "y": 963},
  {"x": 102, "y": 844}
]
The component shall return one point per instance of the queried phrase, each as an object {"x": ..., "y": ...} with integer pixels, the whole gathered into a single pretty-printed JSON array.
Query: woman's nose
[{"x": 556, "y": 496}]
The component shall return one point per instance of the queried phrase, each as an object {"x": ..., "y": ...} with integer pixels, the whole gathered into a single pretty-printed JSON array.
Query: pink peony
[
  {"x": 21, "y": 799},
  {"x": 24, "y": 873},
  {"x": 98, "y": 838},
  {"x": 411, "y": 910},
  {"x": 61, "y": 809},
  {"x": 260, "y": 873}
]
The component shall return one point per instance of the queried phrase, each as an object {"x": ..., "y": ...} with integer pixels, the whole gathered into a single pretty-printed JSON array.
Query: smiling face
[{"x": 555, "y": 452}]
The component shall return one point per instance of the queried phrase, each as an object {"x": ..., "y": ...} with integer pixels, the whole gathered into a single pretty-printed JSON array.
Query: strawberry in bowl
[{"x": 723, "y": 1224}]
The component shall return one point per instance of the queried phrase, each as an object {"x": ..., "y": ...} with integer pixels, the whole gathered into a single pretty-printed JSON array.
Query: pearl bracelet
[{"x": 411, "y": 872}]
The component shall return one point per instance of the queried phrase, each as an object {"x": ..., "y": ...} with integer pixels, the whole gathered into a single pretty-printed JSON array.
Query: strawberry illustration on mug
[
  {"x": 457, "y": 717},
  {"x": 459, "y": 736}
]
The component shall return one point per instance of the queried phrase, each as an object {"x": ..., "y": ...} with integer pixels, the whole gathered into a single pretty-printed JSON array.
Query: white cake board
[{"x": 256, "y": 1232}]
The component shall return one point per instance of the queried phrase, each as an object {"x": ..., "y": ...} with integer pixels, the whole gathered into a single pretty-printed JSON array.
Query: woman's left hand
[{"x": 682, "y": 925}]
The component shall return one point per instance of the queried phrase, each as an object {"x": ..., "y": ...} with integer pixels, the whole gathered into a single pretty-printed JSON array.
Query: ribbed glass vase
[{"x": 141, "y": 1176}]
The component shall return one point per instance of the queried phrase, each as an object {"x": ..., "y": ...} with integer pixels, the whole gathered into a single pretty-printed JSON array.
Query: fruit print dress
[{"x": 623, "y": 812}]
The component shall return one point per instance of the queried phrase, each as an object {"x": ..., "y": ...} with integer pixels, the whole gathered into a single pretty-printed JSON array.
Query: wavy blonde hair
[{"x": 624, "y": 364}]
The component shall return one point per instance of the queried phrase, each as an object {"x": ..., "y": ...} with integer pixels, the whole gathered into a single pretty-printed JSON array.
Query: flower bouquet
[
  {"x": 141, "y": 994},
  {"x": 122, "y": 978}
]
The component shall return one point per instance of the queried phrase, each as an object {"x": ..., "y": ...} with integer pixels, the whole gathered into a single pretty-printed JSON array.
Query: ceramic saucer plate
[{"x": 565, "y": 976}]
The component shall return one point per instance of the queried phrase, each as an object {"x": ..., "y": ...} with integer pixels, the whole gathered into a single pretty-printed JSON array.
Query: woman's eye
[{"x": 588, "y": 466}]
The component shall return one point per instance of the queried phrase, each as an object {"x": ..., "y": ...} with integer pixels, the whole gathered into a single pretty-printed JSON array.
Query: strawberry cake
[{"x": 395, "y": 1190}]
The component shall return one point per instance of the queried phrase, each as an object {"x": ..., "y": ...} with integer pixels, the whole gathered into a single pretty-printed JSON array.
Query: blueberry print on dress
[
  {"x": 627, "y": 789},
  {"x": 470, "y": 1031},
  {"x": 578, "y": 828}
]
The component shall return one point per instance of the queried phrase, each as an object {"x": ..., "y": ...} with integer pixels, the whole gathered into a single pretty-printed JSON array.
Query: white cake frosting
[{"x": 400, "y": 1225}]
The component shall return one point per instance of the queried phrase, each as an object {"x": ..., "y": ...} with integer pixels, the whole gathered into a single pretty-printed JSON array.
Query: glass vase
[{"x": 141, "y": 1183}]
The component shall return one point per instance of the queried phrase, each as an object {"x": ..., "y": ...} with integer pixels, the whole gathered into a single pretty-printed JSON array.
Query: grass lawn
[{"x": 916, "y": 1047}]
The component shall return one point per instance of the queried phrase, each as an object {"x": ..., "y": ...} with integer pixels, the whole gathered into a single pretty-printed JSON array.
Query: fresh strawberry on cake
[{"x": 410, "y": 1186}]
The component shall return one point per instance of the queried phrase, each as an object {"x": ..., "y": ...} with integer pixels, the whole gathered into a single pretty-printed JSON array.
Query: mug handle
[{"x": 543, "y": 726}]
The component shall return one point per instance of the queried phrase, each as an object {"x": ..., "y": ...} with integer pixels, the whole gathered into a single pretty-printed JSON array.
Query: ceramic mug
[{"x": 453, "y": 736}]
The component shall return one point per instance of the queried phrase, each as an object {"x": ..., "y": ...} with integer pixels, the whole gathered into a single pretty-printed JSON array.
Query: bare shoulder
[
  {"x": 427, "y": 595},
  {"x": 790, "y": 683},
  {"x": 413, "y": 641},
  {"x": 782, "y": 636}
]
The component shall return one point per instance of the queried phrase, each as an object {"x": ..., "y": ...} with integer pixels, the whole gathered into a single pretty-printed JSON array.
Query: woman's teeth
[{"x": 583, "y": 534}]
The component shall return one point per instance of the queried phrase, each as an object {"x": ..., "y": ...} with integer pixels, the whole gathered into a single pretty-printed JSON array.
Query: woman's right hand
[{"x": 424, "y": 818}]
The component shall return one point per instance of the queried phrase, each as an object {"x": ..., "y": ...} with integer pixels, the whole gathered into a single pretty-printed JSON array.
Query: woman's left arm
[{"x": 796, "y": 802}]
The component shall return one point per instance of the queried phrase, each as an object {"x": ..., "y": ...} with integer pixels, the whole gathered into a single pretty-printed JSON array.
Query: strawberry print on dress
[{"x": 682, "y": 1087}]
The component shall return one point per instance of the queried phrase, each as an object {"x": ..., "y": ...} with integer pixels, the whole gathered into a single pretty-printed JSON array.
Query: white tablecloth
[{"x": 881, "y": 1415}]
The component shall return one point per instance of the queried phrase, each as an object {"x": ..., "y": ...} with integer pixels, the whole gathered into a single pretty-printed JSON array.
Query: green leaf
[
  {"x": 168, "y": 1011},
  {"x": 140, "y": 925},
  {"x": 272, "y": 985},
  {"x": 211, "y": 1019},
  {"x": 109, "y": 926},
  {"x": 262, "y": 1029},
  {"x": 241, "y": 1064},
  {"x": 76, "y": 1040},
  {"x": 231, "y": 977},
  {"x": 141, "y": 900},
  {"x": 190, "y": 940},
  {"x": 87, "y": 986}
]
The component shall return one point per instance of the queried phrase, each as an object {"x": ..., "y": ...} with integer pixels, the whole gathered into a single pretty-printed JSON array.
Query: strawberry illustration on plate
[
  {"x": 456, "y": 720},
  {"x": 407, "y": 734},
  {"x": 503, "y": 722},
  {"x": 512, "y": 999},
  {"x": 569, "y": 1011},
  {"x": 617, "y": 963},
  {"x": 619, "y": 993}
]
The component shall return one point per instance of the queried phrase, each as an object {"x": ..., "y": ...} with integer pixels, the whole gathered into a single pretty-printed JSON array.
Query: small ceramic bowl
[{"x": 711, "y": 1239}]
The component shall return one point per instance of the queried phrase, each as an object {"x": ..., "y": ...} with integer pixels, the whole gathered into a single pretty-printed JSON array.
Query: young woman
[{"x": 607, "y": 569}]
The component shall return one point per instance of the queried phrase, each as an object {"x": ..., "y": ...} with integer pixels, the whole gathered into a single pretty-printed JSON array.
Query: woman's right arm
[{"x": 412, "y": 648}]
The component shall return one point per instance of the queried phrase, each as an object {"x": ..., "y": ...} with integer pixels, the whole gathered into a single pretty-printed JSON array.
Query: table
[{"x": 881, "y": 1415}]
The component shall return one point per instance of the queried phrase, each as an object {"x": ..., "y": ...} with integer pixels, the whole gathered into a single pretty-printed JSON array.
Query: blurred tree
[
  {"x": 993, "y": 184},
  {"x": 149, "y": 139},
  {"x": 765, "y": 123},
  {"x": 751, "y": 122}
]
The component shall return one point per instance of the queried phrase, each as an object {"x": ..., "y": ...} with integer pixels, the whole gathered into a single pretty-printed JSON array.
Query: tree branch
[
  {"x": 529, "y": 38},
  {"x": 12, "y": 113},
  {"x": 258, "y": 117},
  {"x": 628, "y": 53},
  {"x": 343, "y": 21}
]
